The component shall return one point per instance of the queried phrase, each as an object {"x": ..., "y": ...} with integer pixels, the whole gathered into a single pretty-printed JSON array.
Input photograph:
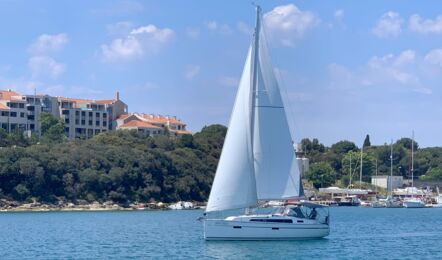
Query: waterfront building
[
  {"x": 152, "y": 124},
  {"x": 387, "y": 182},
  {"x": 83, "y": 118},
  {"x": 303, "y": 162},
  {"x": 13, "y": 113}
]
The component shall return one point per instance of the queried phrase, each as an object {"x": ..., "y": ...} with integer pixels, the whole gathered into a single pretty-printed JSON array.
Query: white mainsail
[
  {"x": 258, "y": 159},
  {"x": 276, "y": 169},
  {"x": 234, "y": 184}
]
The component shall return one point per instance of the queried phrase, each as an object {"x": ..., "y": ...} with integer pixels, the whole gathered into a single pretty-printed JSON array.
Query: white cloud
[
  {"x": 416, "y": 24},
  {"x": 245, "y": 28},
  {"x": 406, "y": 71},
  {"x": 228, "y": 81},
  {"x": 47, "y": 43},
  {"x": 434, "y": 57},
  {"x": 388, "y": 25},
  {"x": 406, "y": 57},
  {"x": 43, "y": 66},
  {"x": 142, "y": 40},
  {"x": 214, "y": 26},
  {"x": 338, "y": 14},
  {"x": 120, "y": 28},
  {"x": 192, "y": 33},
  {"x": 285, "y": 24},
  {"x": 192, "y": 72}
]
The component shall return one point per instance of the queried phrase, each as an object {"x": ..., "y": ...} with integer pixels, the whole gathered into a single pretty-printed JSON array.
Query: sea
[{"x": 356, "y": 233}]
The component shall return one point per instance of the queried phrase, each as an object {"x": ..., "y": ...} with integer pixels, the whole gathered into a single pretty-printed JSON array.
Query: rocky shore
[{"x": 14, "y": 206}]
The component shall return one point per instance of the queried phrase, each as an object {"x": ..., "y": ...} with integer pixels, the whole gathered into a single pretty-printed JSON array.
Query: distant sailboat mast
[
  {"x": 391, "y": 167},
  {"x": 350, "y": 172},
  {"x": 412, "y": 159},
  {"x": 360, "y": 171}
]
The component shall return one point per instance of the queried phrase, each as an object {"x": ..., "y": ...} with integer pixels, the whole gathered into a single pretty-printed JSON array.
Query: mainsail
[
  {"x": 276, "y": 169},
  {"x": 258, "y": 159}
]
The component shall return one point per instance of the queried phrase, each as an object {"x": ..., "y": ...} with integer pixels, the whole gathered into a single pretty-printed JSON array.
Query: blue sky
[{"x": 347, "y": 68}]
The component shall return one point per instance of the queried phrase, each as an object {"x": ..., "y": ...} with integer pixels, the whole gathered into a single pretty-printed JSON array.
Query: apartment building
[
  {"x": 152, "y": 124},
  {"x": 13, "y": 113},
  {"x": 83, "y": 118}
]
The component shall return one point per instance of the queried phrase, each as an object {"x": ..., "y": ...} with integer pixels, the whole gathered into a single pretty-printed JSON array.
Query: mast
[
  {"x": 254, "y": 76},
  {"x": 360, "y": 171},
  {"x": 391, "y": 167},
  {"x": 253, "y": 96},
  {"x": 412, "y": 159},
  {"x": 376, "y": 183},
  {"x": 350, "y": 171}
]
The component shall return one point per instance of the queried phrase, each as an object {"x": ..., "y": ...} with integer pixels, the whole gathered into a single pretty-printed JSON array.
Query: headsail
[
  {"x": 234, "y": 184},
  {"x": 276, "y": 169}
]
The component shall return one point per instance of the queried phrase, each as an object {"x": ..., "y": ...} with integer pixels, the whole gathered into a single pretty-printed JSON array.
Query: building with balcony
[
  {"x": 157, "y": 123},
  {"x": 83, "y": 118},
  {"x": 13, "y": 113}
]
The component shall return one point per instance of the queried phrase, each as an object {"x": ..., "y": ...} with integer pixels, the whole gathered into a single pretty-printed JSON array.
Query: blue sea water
[{"x": 356, "y": 233}]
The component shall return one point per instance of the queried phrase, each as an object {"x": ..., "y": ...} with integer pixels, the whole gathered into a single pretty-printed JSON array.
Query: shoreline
[{"x": 14, "y": 206}]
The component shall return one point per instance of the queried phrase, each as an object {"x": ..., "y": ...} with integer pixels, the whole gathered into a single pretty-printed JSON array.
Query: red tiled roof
[
  {"x": 4, "y": 107},
  {"x": 123, "y": 116},
  {"x": 8, "y": 94},
  {"x": 105, "y": 102},
  {"x": 140, "y": 124},
  {"x": 87, "y": 101},
  {"x": 162, "y": 119}
]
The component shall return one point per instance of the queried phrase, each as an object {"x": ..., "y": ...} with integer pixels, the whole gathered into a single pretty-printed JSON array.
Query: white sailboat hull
[
  {"x": 225, "y": 229},
  {"x": 413, "y": 204}
]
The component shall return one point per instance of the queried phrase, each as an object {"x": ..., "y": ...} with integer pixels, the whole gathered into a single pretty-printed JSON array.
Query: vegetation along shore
[{"x": 118, "y": 169}]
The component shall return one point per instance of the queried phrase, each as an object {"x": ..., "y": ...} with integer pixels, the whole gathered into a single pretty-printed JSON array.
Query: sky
[{"x": 346, "y": 68}]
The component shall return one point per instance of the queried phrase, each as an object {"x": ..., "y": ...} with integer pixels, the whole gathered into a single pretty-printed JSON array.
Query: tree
[
  {"x": 433, "y": 174},
  {"x": 321, "y": 174},
  {"x": 367, "y": 141},
  {"x": 343, "y": 147},
  {"x": 3, "y": 138},
  {"x": 406, "y": 143},
  {"x": 52, "y": 129},
  {"x": 368, "y": 166}
]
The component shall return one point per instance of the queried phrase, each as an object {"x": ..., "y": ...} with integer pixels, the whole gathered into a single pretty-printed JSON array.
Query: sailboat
[
  {"x": 413, "y": 201},
  {"x": 258, "y": 164},
  {"x": 390, "y": 201}
]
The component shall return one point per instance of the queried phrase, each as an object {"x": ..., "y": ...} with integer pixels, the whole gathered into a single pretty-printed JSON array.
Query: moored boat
[{"x": 413, "y": 203}]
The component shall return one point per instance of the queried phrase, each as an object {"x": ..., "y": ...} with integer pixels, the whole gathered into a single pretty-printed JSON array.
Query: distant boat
[
  {"x": 181, "y": 205},
  {"x": 438, "y": 200},
  {"x": 414, "y": 201},
  {"x": 348, "y": 201},
  {"x": 258, "y": 163},
  {"x": 390, "y": 201}
]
